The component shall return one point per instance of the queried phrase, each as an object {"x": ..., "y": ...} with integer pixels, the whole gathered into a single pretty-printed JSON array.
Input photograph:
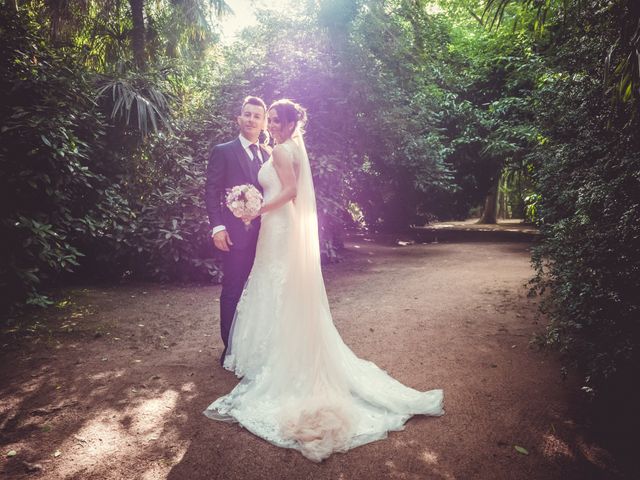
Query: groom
[{"x": 230, "y": 164}]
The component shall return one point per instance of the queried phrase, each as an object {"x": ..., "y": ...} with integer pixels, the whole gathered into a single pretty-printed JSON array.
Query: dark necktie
[
  {"x": 254, "y": 151},
  {"x": 255, "y": 163}
]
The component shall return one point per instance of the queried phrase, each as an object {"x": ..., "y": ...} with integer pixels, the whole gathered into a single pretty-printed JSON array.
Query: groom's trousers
[{"x": 236, "y": 266}]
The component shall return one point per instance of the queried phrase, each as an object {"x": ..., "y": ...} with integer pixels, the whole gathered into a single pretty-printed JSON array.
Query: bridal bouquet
[{"x": 244, "y": 201}]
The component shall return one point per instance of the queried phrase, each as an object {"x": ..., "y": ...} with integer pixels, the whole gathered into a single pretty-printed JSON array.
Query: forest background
[{"x": 419, "y": 111}]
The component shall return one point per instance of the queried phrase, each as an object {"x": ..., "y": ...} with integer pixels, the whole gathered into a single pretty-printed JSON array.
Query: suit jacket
[{"x": 230, "y": 165}]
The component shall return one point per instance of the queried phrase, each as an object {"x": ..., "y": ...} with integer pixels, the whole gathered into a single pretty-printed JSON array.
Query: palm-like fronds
[
  {"x": 147, "y": 102},
  {"x": 494, "y": 10},
  {"x": 104, "y": 30},
  {"x": 221, "y": 8}
]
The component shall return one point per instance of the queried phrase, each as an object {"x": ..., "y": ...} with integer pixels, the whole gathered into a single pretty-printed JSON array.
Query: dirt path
[{"x": 115, "y": 381}]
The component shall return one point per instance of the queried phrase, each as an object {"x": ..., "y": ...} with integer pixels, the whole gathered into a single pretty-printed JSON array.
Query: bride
[{"x": 301, "y": 386}]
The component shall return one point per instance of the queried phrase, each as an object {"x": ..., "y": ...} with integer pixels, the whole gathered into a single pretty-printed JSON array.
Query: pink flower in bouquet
[{"x": 244, "y": 201}]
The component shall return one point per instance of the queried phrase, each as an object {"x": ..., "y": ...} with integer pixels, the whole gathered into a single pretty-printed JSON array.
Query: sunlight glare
[
  {"x": 555, "y": 447},
  {"x": 119, "y": 433},
  {"x": 429, "y": 457},
  {"x": 244, "y": 15}
]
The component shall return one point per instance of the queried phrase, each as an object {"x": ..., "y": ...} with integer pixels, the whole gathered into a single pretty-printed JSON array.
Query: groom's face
[{"x": 251, "y": 121}]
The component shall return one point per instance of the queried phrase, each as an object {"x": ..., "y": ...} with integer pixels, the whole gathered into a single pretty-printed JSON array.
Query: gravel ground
[{"x": 112, "y": 384}]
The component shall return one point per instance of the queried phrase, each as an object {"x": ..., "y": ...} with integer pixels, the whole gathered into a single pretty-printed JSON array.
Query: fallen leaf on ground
[
  {"x": 11, "y": 453},
  {"x": 521, "y": 450},
  {"x": 57, "y": 453}
]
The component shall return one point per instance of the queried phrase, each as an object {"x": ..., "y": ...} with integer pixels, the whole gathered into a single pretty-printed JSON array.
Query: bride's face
[{"x": 278, "y": 130}]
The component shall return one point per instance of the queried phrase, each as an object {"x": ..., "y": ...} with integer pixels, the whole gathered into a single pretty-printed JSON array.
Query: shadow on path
[{"x": 117, "y": 379}]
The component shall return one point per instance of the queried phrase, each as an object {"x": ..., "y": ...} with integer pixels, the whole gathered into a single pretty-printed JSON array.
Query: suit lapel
[{"x": 243, "y": 159}]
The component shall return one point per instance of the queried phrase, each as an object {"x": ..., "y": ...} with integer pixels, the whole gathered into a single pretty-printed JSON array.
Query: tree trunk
[
  {"x": 501, "y": 200},
  {"x": 137, "y": 33},
  {"x": 490, "y": 205}
]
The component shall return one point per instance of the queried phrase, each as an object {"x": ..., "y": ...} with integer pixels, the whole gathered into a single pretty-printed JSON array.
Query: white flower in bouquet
[{"x": 244, "y": 201}]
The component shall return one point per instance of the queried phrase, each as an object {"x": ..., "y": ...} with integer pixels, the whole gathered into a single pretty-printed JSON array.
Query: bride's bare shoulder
[{"x": 284, "y": 153}]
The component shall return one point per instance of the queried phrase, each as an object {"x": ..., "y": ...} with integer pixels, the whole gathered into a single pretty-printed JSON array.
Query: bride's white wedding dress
[{"x": 301, "y": 386}]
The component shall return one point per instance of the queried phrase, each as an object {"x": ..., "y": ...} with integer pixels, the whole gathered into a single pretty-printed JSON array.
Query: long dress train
[{"x": 301, "y": 386}]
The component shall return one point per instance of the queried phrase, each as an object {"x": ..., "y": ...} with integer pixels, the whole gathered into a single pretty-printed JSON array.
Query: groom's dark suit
[{"x": 230, "y": 165}]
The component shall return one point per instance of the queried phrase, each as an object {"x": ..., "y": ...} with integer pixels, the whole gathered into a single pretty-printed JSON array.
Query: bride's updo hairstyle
[{"x": 289, "y": 111}]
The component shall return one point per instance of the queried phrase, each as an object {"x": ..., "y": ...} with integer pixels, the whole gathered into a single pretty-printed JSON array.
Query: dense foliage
[
  {"x": 55, "y": 192},
  {"x": 418, "y": 110},
  {"x": 83, "y": 194},
  {"x": 588, "y": 177}
]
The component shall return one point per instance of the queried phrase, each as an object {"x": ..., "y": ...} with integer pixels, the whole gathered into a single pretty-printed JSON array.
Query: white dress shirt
[{"x": 245, "y": 144}]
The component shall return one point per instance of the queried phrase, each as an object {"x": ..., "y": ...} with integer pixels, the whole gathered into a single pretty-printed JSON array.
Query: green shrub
[
  {"x": 54, "y": 193},
  {"x": 588, "y": 179},
  {"x": 171, "y": 239}
]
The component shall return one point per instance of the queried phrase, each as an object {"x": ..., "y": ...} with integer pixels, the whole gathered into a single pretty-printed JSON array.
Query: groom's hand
[{"x": 222, "y": 241}]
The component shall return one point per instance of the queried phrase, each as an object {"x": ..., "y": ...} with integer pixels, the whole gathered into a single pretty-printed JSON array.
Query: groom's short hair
[{"x": 251, "y": 100}]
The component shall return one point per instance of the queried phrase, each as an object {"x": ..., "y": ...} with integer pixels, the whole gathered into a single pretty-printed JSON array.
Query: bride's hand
[{"x": 250, "y": 218}]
